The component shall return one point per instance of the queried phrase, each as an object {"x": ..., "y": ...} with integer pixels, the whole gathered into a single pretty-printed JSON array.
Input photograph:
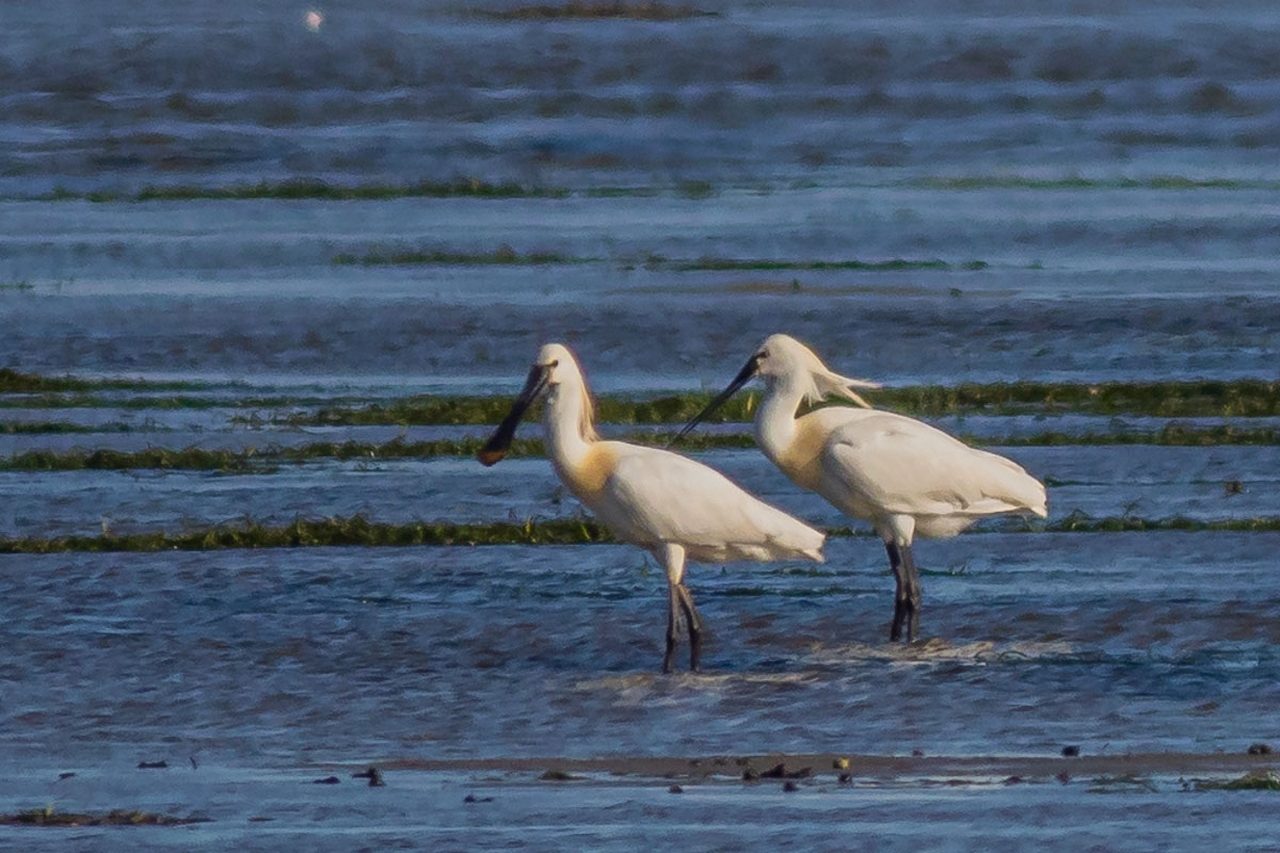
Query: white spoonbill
[
  {"x": 669, "y": 505},
  {"x": 903, "y": 476}
]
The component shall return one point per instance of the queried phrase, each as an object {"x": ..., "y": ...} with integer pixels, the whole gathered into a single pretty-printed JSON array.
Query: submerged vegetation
[
  {"x": 358, "y": 531},
  {"x": 327, "y": 532},
  {"x": 644, "y": 10},
  {"x": 504, "y": 255},
  {"x": 251, "y": 460},
  {"x": 1258, "y": 781},
  {"x": 1077, "y": 182},
  {"x": 891, "y": 265},
  {"x": 310, "y": 188},
  {"x": 116, "y": 817},
  {"x": 1238, "y": 398},
  {"x": 15, "y": 382}
]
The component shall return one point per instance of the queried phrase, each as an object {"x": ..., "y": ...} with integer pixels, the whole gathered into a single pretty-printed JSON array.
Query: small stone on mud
[
  {"x": 675, "y": 789},
  {"x": 328, "y": 780},
  {"x": 790, "y": 787},
  {"x": 152, "y": 765},
  {"x": 66, "y": 775},
  {"x": 1260, "y": 749},
  {"x": 846, "y": 778},
  {"x": 840, "y": 764},
  {"x": 472, "y": 798},
  {"x": 1070, "y": 752},
  {"x": 917, "y": 753}
]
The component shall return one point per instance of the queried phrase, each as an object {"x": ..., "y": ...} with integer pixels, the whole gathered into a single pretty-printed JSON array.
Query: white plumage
[
  {"x": 902, "y": 476},
  {"x": 670, "y": 505}
]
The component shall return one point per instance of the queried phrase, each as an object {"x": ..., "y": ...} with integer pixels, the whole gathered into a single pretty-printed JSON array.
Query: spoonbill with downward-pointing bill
[
  {"x": 903, "y": 476},
  {"x": 675, "y": 508}
]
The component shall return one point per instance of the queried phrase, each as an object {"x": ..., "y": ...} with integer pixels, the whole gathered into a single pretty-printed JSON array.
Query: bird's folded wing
[
  {"x": 685, "y": 501},
  {"x": 908, "y": 467}
]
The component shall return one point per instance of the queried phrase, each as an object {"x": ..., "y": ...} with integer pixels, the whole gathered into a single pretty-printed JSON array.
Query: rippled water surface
[{"x": 926, "y": 192}]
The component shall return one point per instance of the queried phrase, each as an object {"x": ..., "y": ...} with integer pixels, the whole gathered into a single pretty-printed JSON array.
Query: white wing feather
[
  {"x": 891, "y": 464},
  {"x": 654, "y": 495}
]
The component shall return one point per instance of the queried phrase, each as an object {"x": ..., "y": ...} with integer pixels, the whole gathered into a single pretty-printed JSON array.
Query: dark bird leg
[
  {"x": 694, "y": 621},
  {"x": 679, "y": 600},
  {"x": 673, "y": 628},
  {"x": 907, "y": 594}
]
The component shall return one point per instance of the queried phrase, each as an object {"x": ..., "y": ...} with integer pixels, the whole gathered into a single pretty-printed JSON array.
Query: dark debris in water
[
  {"x": 555, "y": 775},
  {"x": 373, "y": 774}
]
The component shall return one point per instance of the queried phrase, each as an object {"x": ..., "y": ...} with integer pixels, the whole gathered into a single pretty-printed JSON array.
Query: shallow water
[{"x": 1099, "y": 187}]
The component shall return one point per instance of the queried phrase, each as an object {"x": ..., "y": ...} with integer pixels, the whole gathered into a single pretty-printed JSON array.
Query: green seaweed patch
[
  {"x": 1079, "y": 522},
  {"x": 1267, "y": 781},
  {"x": 504, "y": 255},
  {"x": 58, "y": 428},
  {"x": 354, "y": 531},
  {"x": 268, "y": 460},
  {"x": 16, "y": 382},
  {"x": 358, "y": 531},
  {"x": 429, "y": 410},
  {"x": 1237, "y": 398},
  {"x": 1196, "y": 398},
  {"x": 21, "y": 286},
  {"x": 1171, "y": 435},
  {"x": 1077, "y": 182},
  {"x": 644, "y": 10},
  {"x": 172, "y": 402},
  {"x": 115, "y": 817},
  {"x": 306, "y": 189},
  {"x": 710, "y": 264}
]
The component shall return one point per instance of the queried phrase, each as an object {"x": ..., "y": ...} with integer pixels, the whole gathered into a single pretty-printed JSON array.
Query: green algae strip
[
  {"x": 766, "y": 265},
  {"x": 1236, "y": 398},
  {"x": 1077, "y": 182},
  {"x": 16, "y": 382},
  {"x": 1256, "y": 781},
  {"x": 60, "y": 428},
  {"x": 304, "y": 189},
  {"x": 358, "y": 531},
  {"x": 504, "y": 255},
  {"x": 269, "y": 459},
  {"x": 1190, "y": 398},
  {"x": 585, "y": 10},
  {"x": 115, "y": 817},
  {"x": 328, "y": 532}
]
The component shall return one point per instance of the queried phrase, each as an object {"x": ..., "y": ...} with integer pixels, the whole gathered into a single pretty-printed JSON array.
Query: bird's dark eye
[
  {"x": 555, "y": 362},
  {"x": 762, "y": 355}
]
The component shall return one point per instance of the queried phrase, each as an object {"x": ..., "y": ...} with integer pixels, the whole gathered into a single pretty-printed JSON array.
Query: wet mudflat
[{"x": 257, "y": 222}]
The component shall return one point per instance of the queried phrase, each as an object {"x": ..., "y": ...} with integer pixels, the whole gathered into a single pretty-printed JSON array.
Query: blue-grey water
[{"x": 1101, "y": 186}]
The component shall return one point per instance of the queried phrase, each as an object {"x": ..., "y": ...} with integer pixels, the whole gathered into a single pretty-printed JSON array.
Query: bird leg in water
[
  {"x": 681, "y": 607},
  {"x": 694, "y": 621},
  {"x": 906, "y": 599},
  {"x": 679, "y": 601}
]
